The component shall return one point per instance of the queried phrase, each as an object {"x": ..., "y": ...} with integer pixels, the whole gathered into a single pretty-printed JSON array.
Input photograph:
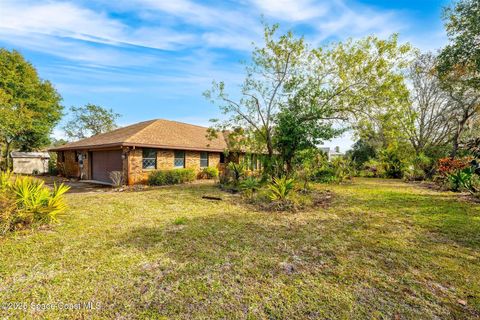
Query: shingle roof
[{"x": 157, "y": 133}]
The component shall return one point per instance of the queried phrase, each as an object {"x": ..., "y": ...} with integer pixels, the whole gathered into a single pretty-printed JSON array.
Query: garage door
[{"x": 104, "y": 162}]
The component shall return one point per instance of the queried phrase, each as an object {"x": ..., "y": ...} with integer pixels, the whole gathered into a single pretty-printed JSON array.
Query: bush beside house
[{"x": 166, "y": 177}]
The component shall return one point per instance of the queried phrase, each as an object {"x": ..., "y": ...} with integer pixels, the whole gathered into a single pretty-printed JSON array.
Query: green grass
[{"x": 383, "y": 249}]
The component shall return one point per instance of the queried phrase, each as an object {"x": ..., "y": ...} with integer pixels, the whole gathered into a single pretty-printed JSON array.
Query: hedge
[{"x": 175, "y": 176}]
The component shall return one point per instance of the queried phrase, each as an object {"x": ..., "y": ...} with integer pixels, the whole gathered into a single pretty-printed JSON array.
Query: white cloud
[
  {"x": 292, "y": 10},
  {"x": 68, "y": 20}
]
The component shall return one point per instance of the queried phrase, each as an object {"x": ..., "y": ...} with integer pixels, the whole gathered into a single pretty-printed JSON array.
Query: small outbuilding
[{"x": 30, "y": 162}]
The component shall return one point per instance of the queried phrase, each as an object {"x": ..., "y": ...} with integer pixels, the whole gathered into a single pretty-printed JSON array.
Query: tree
[
  {"x": 29, "y": 106},
  {"x": 465, "y": 110},
  {"x": 90, "y": 120},
  {"x": 460, "y": 60},
  {"x": 430, "y": 112},
  {"x": 292, "y": 93},
  {"x": 361, "y": 152},
  {"x": 263, "y": 88}
]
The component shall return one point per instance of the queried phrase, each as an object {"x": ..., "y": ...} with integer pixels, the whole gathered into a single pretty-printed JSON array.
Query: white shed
[{"x": 30, "y": 162}]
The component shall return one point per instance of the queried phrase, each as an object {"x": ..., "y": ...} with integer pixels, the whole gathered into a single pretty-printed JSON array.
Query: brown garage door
[{"x": 104, "y": 162}]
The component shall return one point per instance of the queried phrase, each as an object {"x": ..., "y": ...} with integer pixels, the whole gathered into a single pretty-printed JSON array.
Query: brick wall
[
  {"x": 71, "y": 168},
  {"x": 165, "y": 159}
]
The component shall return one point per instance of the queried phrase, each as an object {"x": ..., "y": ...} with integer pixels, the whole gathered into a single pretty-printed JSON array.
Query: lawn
[{"x": 383, "y": 249}]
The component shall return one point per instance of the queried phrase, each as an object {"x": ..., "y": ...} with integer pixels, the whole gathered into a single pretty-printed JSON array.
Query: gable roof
[{"x": 157, "y": 133}]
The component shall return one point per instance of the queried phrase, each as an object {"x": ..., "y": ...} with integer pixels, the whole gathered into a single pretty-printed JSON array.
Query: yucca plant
[{"x": 280, "y": 188}]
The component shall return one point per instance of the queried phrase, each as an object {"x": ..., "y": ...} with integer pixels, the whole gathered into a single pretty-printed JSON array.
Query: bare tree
[{"x": 431, "y": 107}]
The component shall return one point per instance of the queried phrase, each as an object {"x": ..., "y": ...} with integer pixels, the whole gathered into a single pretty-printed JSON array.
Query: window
[
  {"x": 179, "y": 160},
  {"x": 149, "y": 160},
  {"x": 203, "y": 159},
  {"x": 222, "y": 157},
  {"x": 62, "y": 156}
]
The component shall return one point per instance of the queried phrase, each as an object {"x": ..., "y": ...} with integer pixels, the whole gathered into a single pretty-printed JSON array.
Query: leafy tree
[
  {"x": 29, "y": 106},
  {"x": 460, "y": 60},
  {"x": 90, "y": 120},
  {"x": 361, "y": 152},
  {"x": 292, "y": 93},
  {"x": 263, "y": 88}
]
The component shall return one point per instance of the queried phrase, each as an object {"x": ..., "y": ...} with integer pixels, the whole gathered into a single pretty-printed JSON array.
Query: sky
[{"x": 150, "y": 59}]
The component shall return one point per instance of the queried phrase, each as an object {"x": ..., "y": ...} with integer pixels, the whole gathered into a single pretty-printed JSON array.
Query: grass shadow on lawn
[{"x": 363, "y": 261}]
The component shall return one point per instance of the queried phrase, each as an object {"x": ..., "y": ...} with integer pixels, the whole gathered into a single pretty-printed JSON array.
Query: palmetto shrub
[
  {"x": 166, "y": 177},
  {"x": 27, "y": 201}
]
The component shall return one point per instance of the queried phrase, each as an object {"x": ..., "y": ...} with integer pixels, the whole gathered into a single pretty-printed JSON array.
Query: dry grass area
[{"x": 382, "y": 249}]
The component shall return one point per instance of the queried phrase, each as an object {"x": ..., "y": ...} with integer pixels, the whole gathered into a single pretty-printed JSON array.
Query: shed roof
[
  {"x": 17, "y": 154},
  {"x": 156, "y": 133}
]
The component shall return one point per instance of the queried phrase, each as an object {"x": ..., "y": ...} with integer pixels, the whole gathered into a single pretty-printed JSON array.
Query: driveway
[{"x": 76, "y": 186}]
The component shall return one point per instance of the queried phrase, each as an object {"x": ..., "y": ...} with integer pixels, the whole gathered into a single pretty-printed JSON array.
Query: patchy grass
[{"x": 382, "y": 249}]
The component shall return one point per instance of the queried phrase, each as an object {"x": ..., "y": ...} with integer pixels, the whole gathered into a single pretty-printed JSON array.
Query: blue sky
[{"x": 153, "y": 59}]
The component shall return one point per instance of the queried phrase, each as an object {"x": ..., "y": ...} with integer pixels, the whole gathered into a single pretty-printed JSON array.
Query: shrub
[
  {"x": 447, "y": 166},
  {"x": 208, "y": 173},
  {"x": 175, "y": 176},
  {"x": 373, "y": 168},
  {"x": 37, "y": 202},
  {"x": 236, "y": 170},
  {"x": 28, "y": 201},
  {"x": 249, "y": 186},
  {"x": 6, "y": 180},
  {"x": 8, "y": 213},
  {"x": 393, "y": 164},
  {"x": 117, "y": 178},
  {"x": 280, "y": 188}
]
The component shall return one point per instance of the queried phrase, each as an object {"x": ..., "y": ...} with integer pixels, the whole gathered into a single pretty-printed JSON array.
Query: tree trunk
[
  {"x": 7, "y": 155},
  {"x": 456, "y": 137}
]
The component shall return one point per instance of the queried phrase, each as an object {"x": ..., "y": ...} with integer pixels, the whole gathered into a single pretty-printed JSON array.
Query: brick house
[{"x": 140, "y": 148}]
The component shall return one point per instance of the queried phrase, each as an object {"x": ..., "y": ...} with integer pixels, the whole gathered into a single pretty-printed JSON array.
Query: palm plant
[
  {"x": 249, "y": 186},
  {"x": 36, "y": 202},
  {"x": 280, "y": 188}
]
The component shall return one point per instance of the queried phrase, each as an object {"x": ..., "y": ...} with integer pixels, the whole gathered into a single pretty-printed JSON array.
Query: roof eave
[{"x": 134, "y": 145}]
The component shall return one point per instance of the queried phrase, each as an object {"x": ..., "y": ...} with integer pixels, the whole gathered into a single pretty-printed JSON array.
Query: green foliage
[
  {"x": 29, "y": 106},
  {"x": 209, "y": 173},
  {"x": 460, "y": 59},
  {"x": 373, "y": 168},
  {"x": 27, "y": 201},
  {"x": 37, "y": 202},
  {"x": 180, "y": 221},
  {"x": 249, "y": 186},
  {"x": 90, "y": 120},
  {"x": 281, "y": 188},
  {"x": 394, "y": 166},
  {"x": 236, "y": 170},
  {"x": 8, "y": 213},
  {"x": 6, "y": 180},
  {"x": 361, "y": 152},
  {"x": 292, "y": 93},
  {"x": 461, "y": 180},
  {"x": 166, "y": 177},
  {"x": 422, "y": 168}
]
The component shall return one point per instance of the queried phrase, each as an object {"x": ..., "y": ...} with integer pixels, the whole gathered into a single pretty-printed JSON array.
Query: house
[
  {"x": 332, "y": 154},
  {"x": 30, "y": 162},
  {"x": 138, "y": 149}
]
